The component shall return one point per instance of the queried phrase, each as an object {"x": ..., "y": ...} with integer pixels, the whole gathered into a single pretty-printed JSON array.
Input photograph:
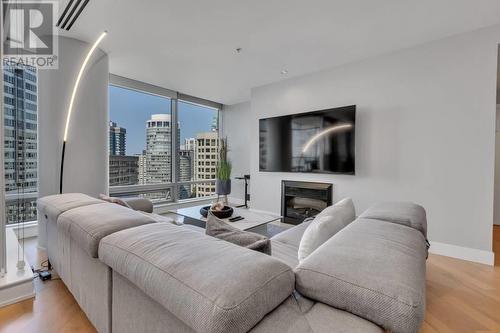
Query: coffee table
[{"x": 252, "y": 220}]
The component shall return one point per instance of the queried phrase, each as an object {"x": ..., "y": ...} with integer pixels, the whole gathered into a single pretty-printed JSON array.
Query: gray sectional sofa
[
  {"x": 131, "y": 273},
  {"x": 75, "y": 224}
]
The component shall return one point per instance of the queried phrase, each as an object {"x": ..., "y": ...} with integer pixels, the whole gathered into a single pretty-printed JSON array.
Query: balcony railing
[
  {"x": 20, "y": 207},
  {"x": 167, "y": 192}
]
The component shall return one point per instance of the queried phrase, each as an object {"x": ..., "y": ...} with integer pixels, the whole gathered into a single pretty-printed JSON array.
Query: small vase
[{"x": 223, "y": 187}]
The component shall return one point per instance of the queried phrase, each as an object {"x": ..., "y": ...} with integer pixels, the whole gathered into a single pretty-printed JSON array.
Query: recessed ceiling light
[{"x": 284, "y": 72}]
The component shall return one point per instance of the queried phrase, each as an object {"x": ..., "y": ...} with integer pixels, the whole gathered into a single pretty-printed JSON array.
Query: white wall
[
  {"x": 425, "y": 132},
  {"x": 86, "y": 161},
  {"x": 85, "y": 168},
  {"x": 496, "y": 211},
  {"x": 236, "y": 127}
]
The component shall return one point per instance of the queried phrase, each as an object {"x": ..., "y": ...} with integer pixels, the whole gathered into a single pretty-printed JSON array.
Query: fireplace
[{"x": 300, "y": 200}]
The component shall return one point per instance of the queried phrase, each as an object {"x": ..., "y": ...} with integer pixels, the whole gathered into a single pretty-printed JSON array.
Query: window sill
[{"x": 28, "y": 229}]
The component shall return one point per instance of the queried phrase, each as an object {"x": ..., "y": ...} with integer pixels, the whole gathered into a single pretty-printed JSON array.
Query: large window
[
  {"x": 199, "y": 135},
  {"x": 160, "y": 147},
  {"x": 21, "y": 143}
]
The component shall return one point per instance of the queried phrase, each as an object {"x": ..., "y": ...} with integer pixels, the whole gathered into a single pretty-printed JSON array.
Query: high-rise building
[
  {"x": 123, "y": 170},
  {"x": 189, "y": 144},
  {"x": 158, "y": 150},
  {"x": 206, "y": 162},
  {"x": 21, "y": 141},
  {"x": 186, "y": 165},
  {"x": 215, "y": 123},
  {"x": 117, "y": 140},
  {"x": 142, "y": 167},
  {"x": 186, "y": 172}
]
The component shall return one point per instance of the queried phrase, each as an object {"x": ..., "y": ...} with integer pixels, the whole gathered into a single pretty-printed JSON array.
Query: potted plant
[{"x": 223, "y": 181}]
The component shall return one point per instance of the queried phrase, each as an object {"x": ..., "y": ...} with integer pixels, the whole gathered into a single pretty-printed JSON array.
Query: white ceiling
[{"x": 189, "y": 45}]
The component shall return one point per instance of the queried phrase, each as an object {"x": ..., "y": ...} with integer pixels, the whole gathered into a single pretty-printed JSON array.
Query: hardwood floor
[
  {"x": 54, "y": 310},
  {"x": 461, "y": 297}
]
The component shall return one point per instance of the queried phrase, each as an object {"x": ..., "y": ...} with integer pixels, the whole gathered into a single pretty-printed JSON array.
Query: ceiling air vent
[{"x": 71, "y": 13}]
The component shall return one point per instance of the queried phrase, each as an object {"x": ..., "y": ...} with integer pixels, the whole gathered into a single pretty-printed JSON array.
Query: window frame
[
  {"x": 175, "y": 98},
  {"x": 3, "y": 217},
  {"x": 9, "y": 197}
]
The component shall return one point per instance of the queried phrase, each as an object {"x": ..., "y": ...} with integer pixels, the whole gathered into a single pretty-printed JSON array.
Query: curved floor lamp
[{"x": 72, "y": 100}]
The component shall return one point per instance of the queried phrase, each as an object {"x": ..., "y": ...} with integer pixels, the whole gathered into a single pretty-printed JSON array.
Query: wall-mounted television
[{"x": 318, "y": 142}]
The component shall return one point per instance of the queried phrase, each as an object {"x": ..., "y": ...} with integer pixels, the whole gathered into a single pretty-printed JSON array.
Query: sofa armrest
[
  {"x": 373, "y": 269},
  {"x": 404, "y": 213},
  {"x": 137, "y": 203}
]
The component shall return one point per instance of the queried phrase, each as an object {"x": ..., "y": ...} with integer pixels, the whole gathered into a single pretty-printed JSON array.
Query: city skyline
[
  {"x": 196, "y": 160},
  {"x": 132, "y": 109}
]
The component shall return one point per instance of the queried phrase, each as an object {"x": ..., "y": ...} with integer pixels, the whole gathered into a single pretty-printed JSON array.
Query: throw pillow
[
  {"x": 346, "y": 204},
  {"x": 326, "y": 224},
  {"x": 222, "y": 230}
]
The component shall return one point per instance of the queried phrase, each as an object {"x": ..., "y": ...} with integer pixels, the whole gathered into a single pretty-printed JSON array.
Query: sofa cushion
[
  {"x": 54, "y": 205},
  {"x": 209, "y": 284},
  {"x": 87, "y": 225},
  {"x": 405, "y": 213},
  {"x": 217, "y": 228},
  {"x": 326, "y": 224},
  {"x": 373, "y": 269}
]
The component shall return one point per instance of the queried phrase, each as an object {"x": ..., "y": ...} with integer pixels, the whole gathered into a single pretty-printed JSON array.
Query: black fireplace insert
[{"x": 300, "y": 200}]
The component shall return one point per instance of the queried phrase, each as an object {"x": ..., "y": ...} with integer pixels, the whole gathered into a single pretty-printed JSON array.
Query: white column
[{"x": 86, "y": 160}]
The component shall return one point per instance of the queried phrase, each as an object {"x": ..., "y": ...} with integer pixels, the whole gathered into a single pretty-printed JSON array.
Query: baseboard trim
[
  {"x": 28, "y": 230},
  {"x": 16, "y": 293},
  {"x": 464, "y": 253}
]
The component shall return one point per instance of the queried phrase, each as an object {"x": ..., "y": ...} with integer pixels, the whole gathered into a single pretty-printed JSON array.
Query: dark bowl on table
[{"x": 224, "y": 213}]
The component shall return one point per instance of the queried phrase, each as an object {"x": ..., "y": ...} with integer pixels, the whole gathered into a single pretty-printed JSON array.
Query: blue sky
[{"x": 131, "y": 109}]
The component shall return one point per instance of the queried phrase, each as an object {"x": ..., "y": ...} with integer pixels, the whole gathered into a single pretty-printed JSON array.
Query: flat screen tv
[{"x": 318, "y": 142}]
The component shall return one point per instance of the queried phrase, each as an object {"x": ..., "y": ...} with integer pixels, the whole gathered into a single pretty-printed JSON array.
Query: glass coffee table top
[{"x": 251, "y": 218}]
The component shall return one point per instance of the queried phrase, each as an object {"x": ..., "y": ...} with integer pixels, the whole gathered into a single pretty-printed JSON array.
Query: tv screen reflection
[{"x": 320, "y": 141}]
